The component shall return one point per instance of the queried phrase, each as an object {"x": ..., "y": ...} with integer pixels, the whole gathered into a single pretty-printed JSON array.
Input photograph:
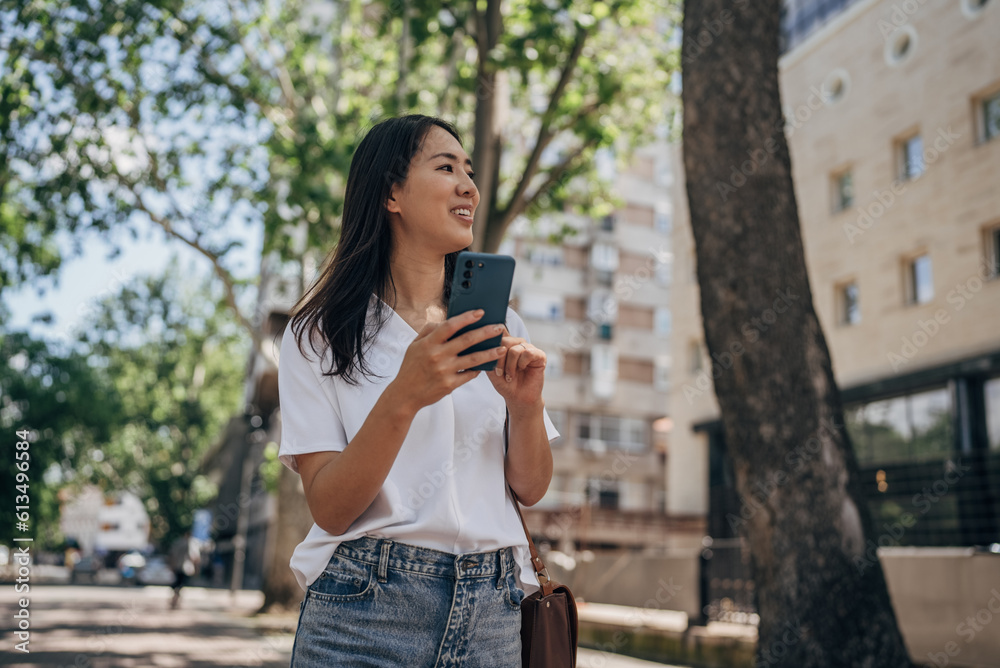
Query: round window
[
  {"x": 835, "y": 85},
  {"x": 900, "y": 45},
  {"x": 973, "y": 8}
]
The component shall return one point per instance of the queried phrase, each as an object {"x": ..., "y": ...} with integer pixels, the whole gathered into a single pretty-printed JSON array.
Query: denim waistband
[{"x": 386, "y": 553}]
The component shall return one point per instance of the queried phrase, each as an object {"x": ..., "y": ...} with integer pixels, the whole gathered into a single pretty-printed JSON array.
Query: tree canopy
[
  {"x": 156, "y": 373},
  {"x": 203, "y": 117}
]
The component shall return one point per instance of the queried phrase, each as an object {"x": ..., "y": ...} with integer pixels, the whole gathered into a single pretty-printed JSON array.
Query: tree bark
[
  {"x": 290, "y": 524},
  {"x": 822, "y": 596},
  {"x": 487, "y": 146}
]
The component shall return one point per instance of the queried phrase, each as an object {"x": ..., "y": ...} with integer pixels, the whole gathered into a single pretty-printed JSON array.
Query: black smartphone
[{"x": 481, "y": 280}]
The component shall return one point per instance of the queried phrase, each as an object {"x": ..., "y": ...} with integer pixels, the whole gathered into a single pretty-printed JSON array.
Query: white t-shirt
[{"x": 446, "y": 488}]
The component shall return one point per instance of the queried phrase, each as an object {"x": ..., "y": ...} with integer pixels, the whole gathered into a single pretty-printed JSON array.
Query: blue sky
[{"x": 85, "y": 279}]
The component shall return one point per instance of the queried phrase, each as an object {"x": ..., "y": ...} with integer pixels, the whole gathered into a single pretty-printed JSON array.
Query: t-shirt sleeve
[
  {"x": 517, "y": 327},
  {"x": 310, "y": 413}
]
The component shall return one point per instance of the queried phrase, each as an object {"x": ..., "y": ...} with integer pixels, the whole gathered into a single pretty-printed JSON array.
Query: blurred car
[
  {"x": 86, "y": 569},
  {"x": 129, "y": 565},
  {"x": 155, "y": 572}
]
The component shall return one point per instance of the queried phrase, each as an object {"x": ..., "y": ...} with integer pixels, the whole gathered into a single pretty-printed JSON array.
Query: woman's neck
[{"x": 419, "y": 282}]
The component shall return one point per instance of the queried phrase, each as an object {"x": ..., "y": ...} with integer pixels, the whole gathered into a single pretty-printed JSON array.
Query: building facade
[
  {"x": 893, "y": 122},
  {"x": 597, "y": 302}
]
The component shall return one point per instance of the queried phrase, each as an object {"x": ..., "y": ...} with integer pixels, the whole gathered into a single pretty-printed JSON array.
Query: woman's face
[{"x": 433, "y": 208}]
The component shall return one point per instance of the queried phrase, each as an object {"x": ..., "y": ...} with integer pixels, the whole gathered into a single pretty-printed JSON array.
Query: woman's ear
[{"x": 391, "y": 205}]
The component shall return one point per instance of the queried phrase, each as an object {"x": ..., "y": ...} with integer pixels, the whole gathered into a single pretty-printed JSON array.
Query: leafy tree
[
  {"x": 68, "y": 407},
  {"x": 135, "y": 406},
  {"x": 175, "y": 358},
  {"x": 778, "y": 395},
  {"x": 195, "y": 116}
]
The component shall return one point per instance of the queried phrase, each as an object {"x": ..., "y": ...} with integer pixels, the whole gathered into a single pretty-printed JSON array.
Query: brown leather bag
[{"x": 549, "y": 622}]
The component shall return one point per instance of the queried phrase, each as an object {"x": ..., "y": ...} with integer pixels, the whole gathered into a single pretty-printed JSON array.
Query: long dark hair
[{"x": 337, "y": 302}]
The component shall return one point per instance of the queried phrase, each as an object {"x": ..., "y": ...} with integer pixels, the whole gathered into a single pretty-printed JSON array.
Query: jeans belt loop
[
  {"x": 504, "y": 565},
  {"x": 383, "y": 562}
]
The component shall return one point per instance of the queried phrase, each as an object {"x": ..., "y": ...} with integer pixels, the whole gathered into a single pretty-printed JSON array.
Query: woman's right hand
[{"x": 431, "y": 364}]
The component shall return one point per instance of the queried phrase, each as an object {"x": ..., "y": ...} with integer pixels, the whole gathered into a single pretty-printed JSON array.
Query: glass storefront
[{"x": 911, "y": 427}]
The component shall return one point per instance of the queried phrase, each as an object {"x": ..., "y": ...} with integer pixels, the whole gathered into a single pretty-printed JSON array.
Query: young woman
[{"x": 416, "y": 556}]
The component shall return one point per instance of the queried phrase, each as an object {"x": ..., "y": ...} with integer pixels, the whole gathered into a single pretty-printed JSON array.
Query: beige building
[
  {"x": 597, "y": 303},
  {"x": 893, "y": 123}
]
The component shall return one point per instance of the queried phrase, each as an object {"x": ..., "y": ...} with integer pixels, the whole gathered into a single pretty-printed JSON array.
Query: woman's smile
[{"x": 463, "y": 214}]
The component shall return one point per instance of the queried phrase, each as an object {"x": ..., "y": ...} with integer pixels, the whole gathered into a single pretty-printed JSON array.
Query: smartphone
[{"x": 481, "y": 280}]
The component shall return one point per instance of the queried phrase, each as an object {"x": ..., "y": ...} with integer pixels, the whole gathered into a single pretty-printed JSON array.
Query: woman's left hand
[{"x": 520, "y": 373}]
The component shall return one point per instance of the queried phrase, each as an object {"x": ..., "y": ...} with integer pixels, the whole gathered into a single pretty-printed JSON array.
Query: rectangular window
[
  {"x": 661, "y": 373},
  {"x": 603, "y": 493},
  {"x": 610, "y": 430},
  {"x": 990, "y": 111},
  {"x": 663, "y": 222},
  {"x": 604, "y": 257},
  {"x": 583, "y": 427},
  {"x": 541, "y": 307},
  {"x": 695, "y": 355},
  {"x": 920, "y": 280},
  {"x": 911, "y": 157},
  {"x": 917, "y": 426},
  {"x": 992, "y": 244},
  {"x": 991, "y": 396},
  {"x": 843, "y": 191},
  {"x": 551, "y": 255},
  {"x": 664, "y": 270},
  {"x": 608, "y": 223},
  {"x": 662, "y": 321},
  {"x": 850, "y": 309},
  {"x": 603, "y": 370}
]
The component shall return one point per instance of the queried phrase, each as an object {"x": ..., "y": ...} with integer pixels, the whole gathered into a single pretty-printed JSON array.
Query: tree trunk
[
  {"x": 292, "y": 521},
  {"x": 821, "y": 594},
  {"x": 487, "y": 147}
]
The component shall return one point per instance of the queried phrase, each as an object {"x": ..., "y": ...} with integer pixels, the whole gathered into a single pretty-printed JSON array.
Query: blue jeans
[{"x": 382, "y": 603}]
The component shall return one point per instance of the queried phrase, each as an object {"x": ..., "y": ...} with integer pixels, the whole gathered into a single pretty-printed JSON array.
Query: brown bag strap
[{"x": 536, "y": 561}]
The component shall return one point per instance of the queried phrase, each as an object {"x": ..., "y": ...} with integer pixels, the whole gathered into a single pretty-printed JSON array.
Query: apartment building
[
  {"x": 597, "y": 302},
  {"x": 893, "y": 123}
]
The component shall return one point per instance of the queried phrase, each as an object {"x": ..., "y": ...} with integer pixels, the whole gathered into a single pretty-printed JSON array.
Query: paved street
[
  {"x": 103, "y": 627},
  {"x": 123, "y": 627}
]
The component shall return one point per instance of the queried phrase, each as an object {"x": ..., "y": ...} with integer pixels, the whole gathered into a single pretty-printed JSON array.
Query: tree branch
[
  {"x": 554, "y": 175},
  {"x": 224, "y": 275},
  {"x": 545, "y": 131},
  {"x": 280, "y": 72}
]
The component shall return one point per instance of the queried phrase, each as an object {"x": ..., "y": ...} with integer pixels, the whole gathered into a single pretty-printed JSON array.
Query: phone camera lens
[
  {"x": 466, "y": 284},
  {"x": 467, "y": 274},
  {"x": 468, "y": 263}
]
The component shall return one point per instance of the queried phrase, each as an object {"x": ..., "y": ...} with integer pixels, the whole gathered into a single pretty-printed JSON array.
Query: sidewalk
[
  {"x": 666, "y": 636},
  {"x": 127, "y": 627},
  {"x": 133, "y": 627}
]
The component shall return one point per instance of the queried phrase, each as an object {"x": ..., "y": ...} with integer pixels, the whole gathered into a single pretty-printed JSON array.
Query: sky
[{"x": 84, "y": 280}]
